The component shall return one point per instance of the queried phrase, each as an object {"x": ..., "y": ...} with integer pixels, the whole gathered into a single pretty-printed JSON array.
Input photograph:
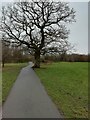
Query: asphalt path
[
  {"x": 0, "y": 112},
  {"x": 28, "y": 98}
]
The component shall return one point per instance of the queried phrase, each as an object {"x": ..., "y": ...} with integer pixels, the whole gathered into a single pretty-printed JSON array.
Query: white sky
[{"x": 79, "y": 30}]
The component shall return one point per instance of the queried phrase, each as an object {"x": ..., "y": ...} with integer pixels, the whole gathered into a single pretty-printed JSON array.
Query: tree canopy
[{"x": 40, "y": 26}]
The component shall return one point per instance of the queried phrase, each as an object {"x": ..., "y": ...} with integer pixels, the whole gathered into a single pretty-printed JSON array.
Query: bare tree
[{"x": 40, "y": 26}]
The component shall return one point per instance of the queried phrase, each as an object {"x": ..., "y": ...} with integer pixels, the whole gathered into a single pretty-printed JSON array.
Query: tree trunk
[
  {"x": 37, "y": 59},
  {"x": 3, "y": 63}
]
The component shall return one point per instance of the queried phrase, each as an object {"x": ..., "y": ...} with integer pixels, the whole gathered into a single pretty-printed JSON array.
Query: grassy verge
[
  {"x": 67, "y": 84},
  {"x": 9, "y": 75},
  {"x": 0, "y": 86}
]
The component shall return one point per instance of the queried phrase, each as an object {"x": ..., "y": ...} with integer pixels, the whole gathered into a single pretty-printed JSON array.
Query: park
[{"x": 42, "y": 76}]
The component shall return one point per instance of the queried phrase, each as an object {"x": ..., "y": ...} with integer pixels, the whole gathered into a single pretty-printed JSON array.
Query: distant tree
[
  {"x": 5, "y": 53},
  {"x": 19, "y": 54},
  {"x": 40, "y": 26}
]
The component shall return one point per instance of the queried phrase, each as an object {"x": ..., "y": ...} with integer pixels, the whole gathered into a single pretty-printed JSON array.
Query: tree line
[
  {"x": 67, "y": 58},
  {"x": 13, "y": 54}
]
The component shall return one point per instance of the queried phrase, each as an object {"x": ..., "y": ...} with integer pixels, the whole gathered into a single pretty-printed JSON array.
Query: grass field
[
  {"x": 9, "y": 75},
  {"x": 67, "y": 84},
  {"x": 0, "y": 86}
]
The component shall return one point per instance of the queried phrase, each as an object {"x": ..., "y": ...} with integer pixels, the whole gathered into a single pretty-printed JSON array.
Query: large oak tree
[{"x": 40, "y": 26}]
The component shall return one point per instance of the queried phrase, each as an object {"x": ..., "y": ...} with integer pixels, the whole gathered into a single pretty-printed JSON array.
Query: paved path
[
  {"x": 28, "y": 98},
  {"x": 0, "y": 112}
]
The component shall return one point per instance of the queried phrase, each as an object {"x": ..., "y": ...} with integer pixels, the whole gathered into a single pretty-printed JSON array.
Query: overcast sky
[{"x": 79, "y": 30}]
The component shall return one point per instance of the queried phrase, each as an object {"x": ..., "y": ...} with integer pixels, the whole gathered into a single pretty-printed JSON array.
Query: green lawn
[
  {"x": 67, "y": 84},
  {"x": 0, "y": 86},
  {"x": 9, "y": 75}
]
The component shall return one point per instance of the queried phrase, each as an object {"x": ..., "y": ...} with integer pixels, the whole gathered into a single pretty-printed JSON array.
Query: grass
[
  {"x": 67, "y": 84},
  {"x": 9, "y": 75},
  {"x": 0, "y": 86}
]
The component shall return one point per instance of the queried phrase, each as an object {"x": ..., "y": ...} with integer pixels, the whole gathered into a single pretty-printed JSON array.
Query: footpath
[{"x": 28, "y": 98}]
